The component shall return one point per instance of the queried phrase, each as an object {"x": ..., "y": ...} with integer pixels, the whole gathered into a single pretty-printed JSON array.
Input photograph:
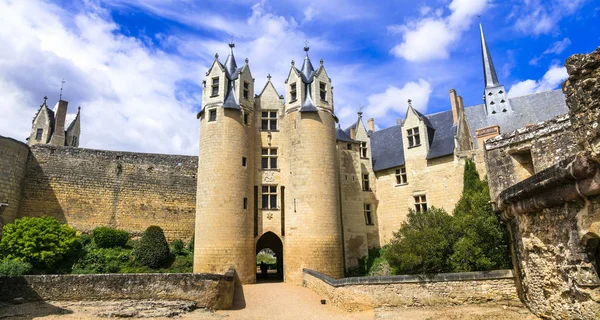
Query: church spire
[{"x": 489, "y": 72}]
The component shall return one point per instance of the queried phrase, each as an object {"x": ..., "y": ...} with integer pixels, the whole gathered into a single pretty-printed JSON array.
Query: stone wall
[
  {"x": 545, "y": 182},
  {"x": 131, "y": 191},
  {"x": 13, "y": 159},
  {"x": 409, "y": 290},
  {"x": 214, "y": 291}
]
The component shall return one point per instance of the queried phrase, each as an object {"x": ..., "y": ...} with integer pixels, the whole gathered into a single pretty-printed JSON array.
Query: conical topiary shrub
[{"x": 153, "y": 250}]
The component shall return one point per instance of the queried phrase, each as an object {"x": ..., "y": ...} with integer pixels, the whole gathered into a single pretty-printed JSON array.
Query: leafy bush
[
  {"x": 178, "y": 248},
  {"x": 153, "y": 250},
  {"x": 103, "y": 260},
  {"x": 423, "y": 243},
  {"x": 14, "y": 268},
  {"x": 42, "y": 242},
  {"x": 190, "y": 245},
  {"x": 106, "y": 237},
  {"x": 182, "y": 264}
]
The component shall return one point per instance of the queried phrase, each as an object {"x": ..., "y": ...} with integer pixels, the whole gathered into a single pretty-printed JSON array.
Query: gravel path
[{"x": 279, "y": 301}]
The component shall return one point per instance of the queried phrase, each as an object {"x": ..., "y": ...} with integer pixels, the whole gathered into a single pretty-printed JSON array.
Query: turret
[
  {"x": 224, "y": 234},
  {"x": 312, "y": 226},
  {"x": 494, "y": 93}
]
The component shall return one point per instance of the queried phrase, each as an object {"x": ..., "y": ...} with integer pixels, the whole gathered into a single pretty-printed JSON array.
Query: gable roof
[
  {"x": 526, "y": 110},
  {"x": 387, "y": 148}
]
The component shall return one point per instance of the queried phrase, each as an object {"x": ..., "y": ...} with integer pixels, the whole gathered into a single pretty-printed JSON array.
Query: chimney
[
  {"x": 352, "y": 133},
  {"x": 371, "y": 124},
  {"x": 455, "y": 106},
  {"x": 60, "y": 114}
]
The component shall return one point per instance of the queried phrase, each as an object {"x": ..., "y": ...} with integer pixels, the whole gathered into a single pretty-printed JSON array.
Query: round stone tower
[
  {"x": 223, "y": 233},
  {"x": 313, "y": 237}
]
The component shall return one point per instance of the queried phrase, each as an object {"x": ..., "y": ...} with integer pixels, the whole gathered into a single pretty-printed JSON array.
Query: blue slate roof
[
  {"x": 387, "y": 148},
  {"x": 341, "y": 135},
  {"x": 442, "y": 142},
  {"x": 526, "y": 110}
]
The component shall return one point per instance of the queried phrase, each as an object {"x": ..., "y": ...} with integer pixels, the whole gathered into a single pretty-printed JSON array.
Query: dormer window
[
  {"x": 246, "y": 90},
  {"x": 323, "y": 90},
  {"x": 363, "y": 150},
  {"x": 215, "y": 87},
  {"x": 38, "y": 134},
  {"x": 293, "y": 92},
  {"x": 414, "y": 140}
]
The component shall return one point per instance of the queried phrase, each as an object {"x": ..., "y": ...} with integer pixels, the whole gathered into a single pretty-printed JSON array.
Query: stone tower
[
  {"x": 313, "y": 224},
  {"x": 494, "y": 93},
  {"x": 224, "y": 234}
]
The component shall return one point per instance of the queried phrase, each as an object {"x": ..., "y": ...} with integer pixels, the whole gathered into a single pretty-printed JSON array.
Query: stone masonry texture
[
  {"x": 13, "y": 160},
  {"x": 545, "y": 182},
  {"x": 130, "y": 191}
]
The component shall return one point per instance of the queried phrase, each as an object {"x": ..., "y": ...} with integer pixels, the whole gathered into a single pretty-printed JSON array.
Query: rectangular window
[
  {"x": 349, "y": 146},
  {"x": 246, "y": 90},
  {"x": 268, "y": 120},
  {"x": 245, "y": 118},
  {"x": 363, "y": 150},
  {"x": 269, "y": 197},
  {"x": 401, "y": 176},
  {"x": 215, "y": 87},
  {"x": 293, "y": 91},
  {"x": 413, "y": 137},
  {"x": 366, "y": 182},
  {"x": 74, "y": 141},
  {"x": 420, "y": 203},
  {"x": 323, "y": 90},
  {"x": 212, "y": 115},
  {"x": 268, "y": 158},
  {"x": 38, "y": 134},
  {"x": 368, "y": 214},
  {"x": 244, "y": 161},
  {"x": 245, "y": 203}
]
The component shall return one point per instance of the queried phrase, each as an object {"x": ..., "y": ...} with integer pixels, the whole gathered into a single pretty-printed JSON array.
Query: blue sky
[{"x": 136, "y": 67}]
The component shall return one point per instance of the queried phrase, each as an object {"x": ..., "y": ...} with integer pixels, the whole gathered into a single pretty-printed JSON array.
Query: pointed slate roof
[
  {"x": 489, "y": 72},
  {"x": 307, "y": 71},
  {"x": 231, "y": 69},
  {"x": 341, "y": 135}
]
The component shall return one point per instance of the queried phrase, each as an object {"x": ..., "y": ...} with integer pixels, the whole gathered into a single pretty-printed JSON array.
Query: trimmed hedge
[
  {"x": 153, "y": 250},
  {"x": 105, "y": 237}
]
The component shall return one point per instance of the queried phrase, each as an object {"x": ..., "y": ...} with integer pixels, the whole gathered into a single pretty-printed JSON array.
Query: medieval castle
[{"x": 273, "y": 171}]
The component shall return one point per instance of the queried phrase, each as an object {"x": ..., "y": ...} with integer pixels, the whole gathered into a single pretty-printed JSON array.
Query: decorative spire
[
  {"x": 489, "y": 72},
  {"x": 307, "y": 68},
  {"x": 45, "y": 98},
  {"x": 230, "y": 64}
]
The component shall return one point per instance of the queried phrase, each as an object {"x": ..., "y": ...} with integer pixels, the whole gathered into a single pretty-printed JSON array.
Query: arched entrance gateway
[{"x": 270, "y": 244}]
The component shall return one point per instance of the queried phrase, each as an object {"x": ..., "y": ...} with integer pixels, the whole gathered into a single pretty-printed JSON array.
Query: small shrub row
[{"x": 106, "y": 237}]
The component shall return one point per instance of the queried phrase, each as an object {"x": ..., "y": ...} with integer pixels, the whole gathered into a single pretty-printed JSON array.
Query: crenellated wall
[{"x": 130, "y": 191}]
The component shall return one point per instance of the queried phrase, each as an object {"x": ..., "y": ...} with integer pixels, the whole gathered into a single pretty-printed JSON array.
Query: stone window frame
[
  {"x": 323, "y": 90},
  {"x": 401, "y": 176},
  {"x": 420, "y": 202},
  {"x": 293, "y": 92},
  {"x": 365, "y": 182},
  {"x": 270, "y": 156},
  {"x": 268, "y": 120},
  {"x": 215, "y": 86},
  {"x": 414, "y": 137},
  {"x": 364, "y": 150},
  {"x": 269, "y": 192},
  {"x": 212, "y": 115},
  {"x": 368, "y": 210},
  {"x": 349, "y": 146},
  {"x": 246, "y": 91},
  {"x": 38, "y": 134}
]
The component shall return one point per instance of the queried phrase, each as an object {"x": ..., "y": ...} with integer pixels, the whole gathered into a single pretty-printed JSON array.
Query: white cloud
[
  {"x": 128, "y": 91},
  {"x": 550, "y": 81},
  {"x": 558, "y": 47},
  {"x": 535, "y": 17},
  {"x": 432, "y": 37},
  {"x": 394, "y": 99}
]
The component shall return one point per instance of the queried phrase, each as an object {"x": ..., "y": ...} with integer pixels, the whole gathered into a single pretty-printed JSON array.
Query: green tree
[
  {"x": 423, "y": 243},
  {"x": 153, "y": 250},
  {"x": 106, "y": 237},
  {"x": 43, "y": 242},
  {"x": 482, "y": 242}
]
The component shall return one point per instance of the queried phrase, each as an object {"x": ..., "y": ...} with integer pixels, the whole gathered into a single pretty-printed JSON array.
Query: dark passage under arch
[{"x": 271, "y": 241}]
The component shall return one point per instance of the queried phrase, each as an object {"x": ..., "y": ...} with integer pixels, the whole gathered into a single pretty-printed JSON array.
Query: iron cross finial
[{"x": 269, "y": 76}]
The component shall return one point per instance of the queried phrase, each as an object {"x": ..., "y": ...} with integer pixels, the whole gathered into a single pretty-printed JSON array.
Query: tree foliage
[
  {"x": 14, "y": 268},
  {"x": 423, "y": 243},
  {"x": 106, "y": 237},
  {"x": 472, "y": 239},
  {"x": 42, "y": 242},
  {"x": 153, "y": 250}
]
